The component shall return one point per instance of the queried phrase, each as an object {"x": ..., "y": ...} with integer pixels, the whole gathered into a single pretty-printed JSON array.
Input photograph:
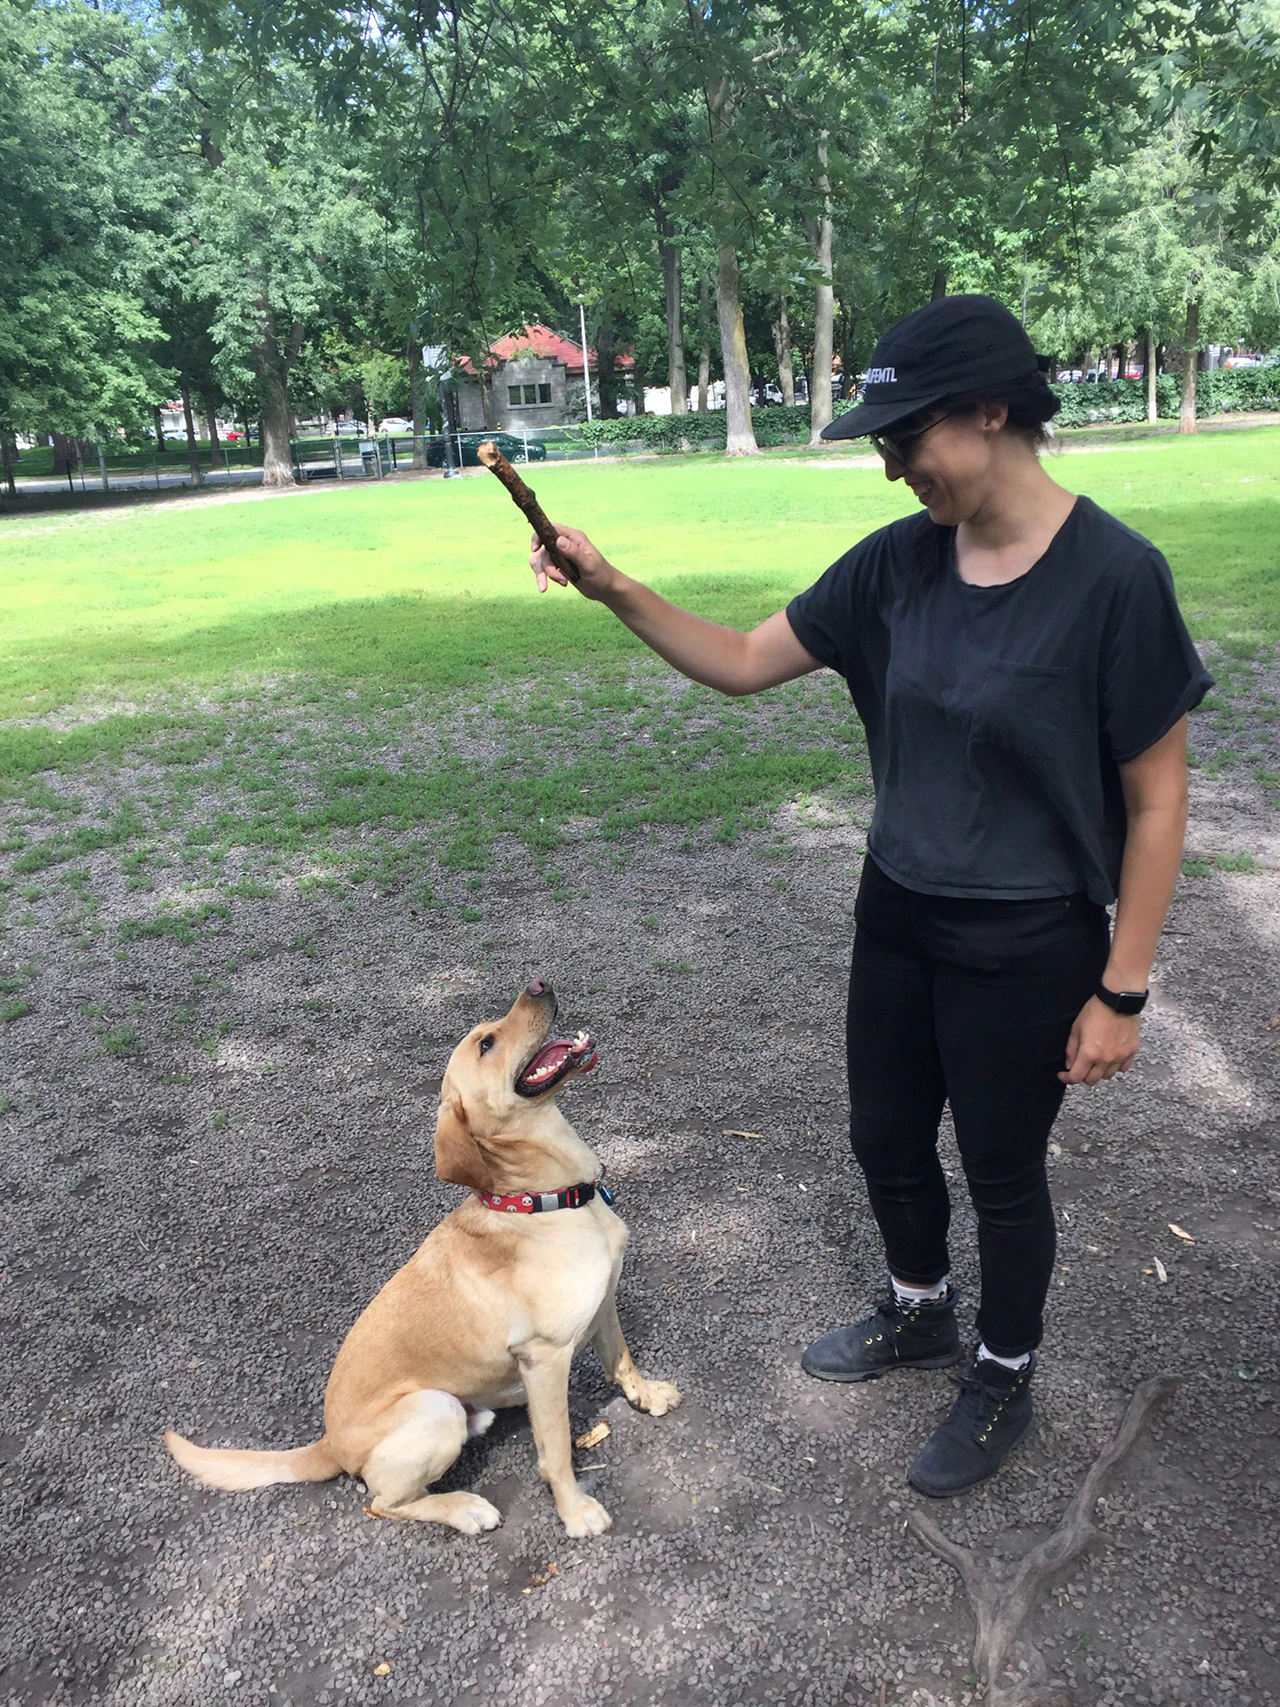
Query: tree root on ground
[{"x": 1002, "y": 1592}]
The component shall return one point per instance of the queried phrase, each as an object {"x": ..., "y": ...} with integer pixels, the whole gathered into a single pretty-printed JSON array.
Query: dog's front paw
[
  {"x": 469, "y": 1513},
  {"x": 657, "y": 1397},
  {"x": 586, "y": 1517}
]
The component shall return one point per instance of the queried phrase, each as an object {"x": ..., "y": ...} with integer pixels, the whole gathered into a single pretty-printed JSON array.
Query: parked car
[
  {"x": 1097, "y": 374},
  {"x": 396, "y": 424},
  {"x": 1244, "y": 361},
  {"x": 510, "y": 446}
]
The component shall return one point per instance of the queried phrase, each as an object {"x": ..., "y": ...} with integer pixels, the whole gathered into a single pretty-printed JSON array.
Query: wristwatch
[{"x": 1123, "y": 1001}]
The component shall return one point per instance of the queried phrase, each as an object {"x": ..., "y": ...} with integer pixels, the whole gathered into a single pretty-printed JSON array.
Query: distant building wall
[{"x": 526, "y": 394}]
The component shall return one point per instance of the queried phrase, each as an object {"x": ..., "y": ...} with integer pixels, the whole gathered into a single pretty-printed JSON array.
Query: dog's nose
[{"x": 538, "y": 987}]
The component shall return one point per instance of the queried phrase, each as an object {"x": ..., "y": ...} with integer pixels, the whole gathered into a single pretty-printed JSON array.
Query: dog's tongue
[
  {"x": 554, "y": 1057},
  {"x": 548, "y": 1060}
]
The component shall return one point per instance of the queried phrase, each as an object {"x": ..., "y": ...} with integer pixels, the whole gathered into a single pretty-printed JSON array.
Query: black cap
[{"x": 950, "y": 348}]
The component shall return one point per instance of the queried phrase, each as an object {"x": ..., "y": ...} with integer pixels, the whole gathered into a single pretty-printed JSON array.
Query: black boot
[
  {"x": 895, "y": 1336},
  {"x": 987, "y": 1421}
]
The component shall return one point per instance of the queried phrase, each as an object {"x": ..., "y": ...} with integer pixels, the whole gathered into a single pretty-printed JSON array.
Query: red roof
[{"x": 542, "y": 341}]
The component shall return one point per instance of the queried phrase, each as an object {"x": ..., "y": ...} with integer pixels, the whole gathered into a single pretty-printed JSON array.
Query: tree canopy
[{"x": 274, "y": 207}]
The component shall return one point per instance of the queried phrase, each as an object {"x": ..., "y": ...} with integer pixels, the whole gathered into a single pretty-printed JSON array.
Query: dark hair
[{"x": 1031, "y": 407}]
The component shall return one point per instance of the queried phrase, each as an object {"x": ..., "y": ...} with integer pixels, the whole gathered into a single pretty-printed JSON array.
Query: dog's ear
[{"x": 459, "y": 1159}]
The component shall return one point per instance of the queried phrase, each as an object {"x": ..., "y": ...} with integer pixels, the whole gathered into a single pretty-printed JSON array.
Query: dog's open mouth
[{"x": 554, "y": 1062}]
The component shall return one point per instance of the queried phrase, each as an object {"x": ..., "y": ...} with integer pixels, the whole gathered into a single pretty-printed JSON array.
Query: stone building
[{"x": 535, "y": 380}]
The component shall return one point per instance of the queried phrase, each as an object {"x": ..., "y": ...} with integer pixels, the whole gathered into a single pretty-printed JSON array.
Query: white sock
[
  {"x": 918, "y": 1294},
  {"x": 1004, "y": 1362}
]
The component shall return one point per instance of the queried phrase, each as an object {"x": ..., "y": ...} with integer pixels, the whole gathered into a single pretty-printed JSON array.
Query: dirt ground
[{"x": 189, "y": 1228}]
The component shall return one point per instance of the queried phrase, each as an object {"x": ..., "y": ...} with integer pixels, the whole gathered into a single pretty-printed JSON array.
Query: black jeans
[{"x": 969, "y": 1002}]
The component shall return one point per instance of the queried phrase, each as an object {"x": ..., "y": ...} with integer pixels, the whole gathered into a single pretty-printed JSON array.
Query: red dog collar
[{"x": 541, "y": 1202}]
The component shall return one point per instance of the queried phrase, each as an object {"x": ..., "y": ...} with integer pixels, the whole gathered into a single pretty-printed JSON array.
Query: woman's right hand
[{"x": 596, "y": 575}]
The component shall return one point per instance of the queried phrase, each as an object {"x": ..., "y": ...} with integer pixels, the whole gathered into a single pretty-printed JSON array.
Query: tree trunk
[
  {"x": 8, "y": 452},
  {"x": 273, "y": 427},
  {"x": 159, "y": 427},
  {"x": 939, "y": 284},
  {"x": 487, "y": 406},
  {"x": 211, "y": 420},
  {"x": 1191, "y": 342},
  {"x": 193, "y": 449},
  {"x": 415, "y": 403},
  {"x": 847, "y": 368},
  {"x": 740, "y": 438},
  {"x": 1153, "y": 410},
  {"x": 673, "y": 279},
  {"x": 639, "y": 384},
  {"x": 606, "y": 367},
  {"x": 277, "y": 462},
  {"x": 782, "y": 349},
  {"x": 819, "y": 231},
  {"x": 63, "y": 451},
  {"x": 704, "y": 345}
]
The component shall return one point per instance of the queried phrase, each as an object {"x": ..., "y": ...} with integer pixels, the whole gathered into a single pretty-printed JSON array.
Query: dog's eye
[{"x": 486, "y": 1044}]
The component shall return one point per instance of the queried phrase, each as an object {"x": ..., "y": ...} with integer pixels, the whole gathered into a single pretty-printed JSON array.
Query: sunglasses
[{"x": 900, "y": 446}]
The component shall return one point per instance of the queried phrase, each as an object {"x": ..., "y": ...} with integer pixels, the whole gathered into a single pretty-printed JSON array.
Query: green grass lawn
[
  {"x": 196, "y": 639},
  {"x": 425, "y": 582}
]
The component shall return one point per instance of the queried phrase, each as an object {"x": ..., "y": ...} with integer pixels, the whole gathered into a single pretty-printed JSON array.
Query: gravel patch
[{"x": 216, "y": 1145}]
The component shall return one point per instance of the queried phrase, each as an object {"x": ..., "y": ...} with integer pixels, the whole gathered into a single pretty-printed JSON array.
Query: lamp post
[{"x": 586, "y": 365}]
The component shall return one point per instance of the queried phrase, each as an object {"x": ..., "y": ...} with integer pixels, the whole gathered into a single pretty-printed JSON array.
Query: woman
[{"x": 1024, "y": 677}]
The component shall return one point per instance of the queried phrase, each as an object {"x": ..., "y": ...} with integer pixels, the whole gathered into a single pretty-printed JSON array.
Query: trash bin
[{"x": 369, "y": 457}]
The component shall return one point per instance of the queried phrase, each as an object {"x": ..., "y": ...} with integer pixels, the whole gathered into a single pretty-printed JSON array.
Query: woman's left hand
[{"x": 1102, "y": 1044}]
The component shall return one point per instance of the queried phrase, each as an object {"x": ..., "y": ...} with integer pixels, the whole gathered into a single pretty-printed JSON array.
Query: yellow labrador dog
[{"x": 490, "y": 1309}]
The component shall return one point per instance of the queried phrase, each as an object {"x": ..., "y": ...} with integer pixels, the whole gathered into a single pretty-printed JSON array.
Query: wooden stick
[
  {"x": 1003, "y": 1592},
  {"x": 525, "y": 497}
]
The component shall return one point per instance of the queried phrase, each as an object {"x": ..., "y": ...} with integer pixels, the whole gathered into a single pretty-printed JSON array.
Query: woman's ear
[{"x": 459, "y": 1159}]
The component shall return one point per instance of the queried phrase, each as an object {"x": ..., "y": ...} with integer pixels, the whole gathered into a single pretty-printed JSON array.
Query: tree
[
  {"x": 1220, "y": 70},
  {"x": 278, "y": 226},
  {"x": 1164, "y": 256},
  {"x": 79, "y": 211}
]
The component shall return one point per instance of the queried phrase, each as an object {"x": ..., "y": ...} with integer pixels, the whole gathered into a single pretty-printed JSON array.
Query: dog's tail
[{"x": 228, "y": 1468}]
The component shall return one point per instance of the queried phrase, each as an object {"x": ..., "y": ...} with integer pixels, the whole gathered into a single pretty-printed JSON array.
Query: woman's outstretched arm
[{"x": 708, "y": 652}]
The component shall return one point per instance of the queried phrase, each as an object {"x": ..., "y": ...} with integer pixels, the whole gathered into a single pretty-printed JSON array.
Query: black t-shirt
[{"x": 997, "y": 717}]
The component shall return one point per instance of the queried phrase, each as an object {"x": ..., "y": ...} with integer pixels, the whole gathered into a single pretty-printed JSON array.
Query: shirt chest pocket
[{"x": 1022, "y": 707}]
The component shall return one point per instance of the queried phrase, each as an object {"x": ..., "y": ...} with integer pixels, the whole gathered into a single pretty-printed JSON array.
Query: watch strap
[{"x": 1122, "y": 1001}]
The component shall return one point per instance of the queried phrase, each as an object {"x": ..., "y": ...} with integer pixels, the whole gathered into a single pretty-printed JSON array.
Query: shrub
[
  {"x": 774, "y": 425},
  {"x": 655, "y": 432},
  {"x": 1228, "y": 388},
  {"x": 1218, "y": 392},
  {"x": 1119, "y": 400}
]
